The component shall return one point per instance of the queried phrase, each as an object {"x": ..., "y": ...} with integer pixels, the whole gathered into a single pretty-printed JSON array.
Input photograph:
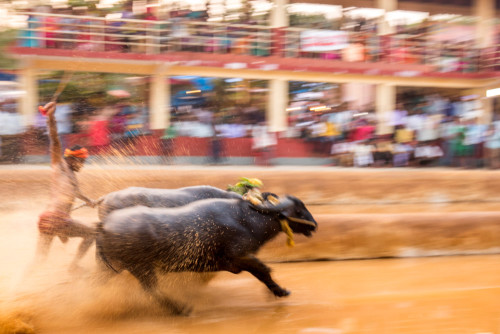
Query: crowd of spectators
[
  {"x": 186, "y": 30},
  {"x": 431, "y": 131}
]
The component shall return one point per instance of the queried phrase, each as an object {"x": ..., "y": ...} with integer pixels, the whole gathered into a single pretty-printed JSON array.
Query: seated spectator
[
  {"x": 354, "y": 52},
  {"x": 402, "y": 154},
  {"x": 342, "y": 153},
  {"x": 383, "y": 152},
  {"x": 363, "y": 154},
  {"x": 31, "y": 38},
  {"x": 403, "y": 148},
  {"x": 427, "y": 153},
  {"x": 363, "y": 130}
]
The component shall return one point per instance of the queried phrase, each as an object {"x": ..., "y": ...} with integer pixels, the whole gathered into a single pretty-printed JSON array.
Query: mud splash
[{"x": 421, "y": 295}]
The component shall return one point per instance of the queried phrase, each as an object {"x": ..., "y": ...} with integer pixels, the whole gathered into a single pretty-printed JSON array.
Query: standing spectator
[
  {"x": 342, "y": 153},
  {"x": 474, "y": 138},
  {"x": 99, "y": 134},
  {"x": 460, "y": 150},
  {"x": 492, "y": 146},
  {"x": 11, "y": 130},
  {"x": 117, "y": 127},
  {"x": 64, "y": 119},
  {"x": 167, "y": 143},
  {"x": 263, "y": 143},
  {"x": 449, "y": 129},
  {"x": 363, "y": 130},
  {"x": 127, "y": 28},
  {"x": 429, "y": 131},
  {"x": 68, "y": 29},
  {"x": 363, "y": 154},
  {"x": 398, "y": 115},
  {"x": 347, "y": 112},
  {"x": 448, "y": 108},
  {"x": 403, "y": 148},
  {"x": 472, "y": 107},
  {"x": 133, "y": 129},
  {"x": 30, "y": 37},
  {"x": 458, "y": 106},
  {"x": 216, "y": 146},
  {"x": 415, "y": 122},
  {"x": 49, "y": 31},
  {"x": 427, "y": 153},
  {"x": 383, "y": 152},
  {"x": 317, "y": 131}
]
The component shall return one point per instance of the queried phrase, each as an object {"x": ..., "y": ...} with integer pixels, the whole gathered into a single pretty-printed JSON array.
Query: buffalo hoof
[
  {"x": 281, "y": 293},
  {"x": 182, "y": 310}
]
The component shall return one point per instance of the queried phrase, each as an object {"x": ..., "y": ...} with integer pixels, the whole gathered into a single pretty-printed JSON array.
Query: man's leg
[
  {"x": 42, "y": 250},
  {"x": 77, "y": 229}
]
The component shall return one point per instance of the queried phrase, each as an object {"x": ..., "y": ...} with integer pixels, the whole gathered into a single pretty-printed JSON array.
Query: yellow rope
[{"x": 288, "y": 231}]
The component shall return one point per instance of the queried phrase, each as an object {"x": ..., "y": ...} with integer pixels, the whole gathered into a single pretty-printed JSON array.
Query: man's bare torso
[{"x": 64, "y": 188}]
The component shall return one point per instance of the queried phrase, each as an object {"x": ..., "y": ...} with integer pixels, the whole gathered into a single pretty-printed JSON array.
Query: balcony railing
[{"x": 158, "y": 37}]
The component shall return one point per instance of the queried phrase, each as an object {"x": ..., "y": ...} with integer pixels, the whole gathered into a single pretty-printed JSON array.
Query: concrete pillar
[
  {"x": 159, "y": 101},
  {"x": 277, "y": 104},
  {"x": 360, "y": 94},
  {"x": 385, "y": 103},
  {"x": 28, "y": 103},
  {"x": 279, "y": 14},
  {"x": 484, "y": 10},
  {"x": 388, "y": 5},
  {"x": 488, "y": 112}
]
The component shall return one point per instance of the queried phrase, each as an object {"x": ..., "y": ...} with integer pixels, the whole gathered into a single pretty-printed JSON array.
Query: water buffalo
[
  {"x": 204, "y": 236},
  {"x": 158, "y": 198}
]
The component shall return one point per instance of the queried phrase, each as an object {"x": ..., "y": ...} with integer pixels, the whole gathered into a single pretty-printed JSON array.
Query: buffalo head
[{"x": 294, "y": 211}]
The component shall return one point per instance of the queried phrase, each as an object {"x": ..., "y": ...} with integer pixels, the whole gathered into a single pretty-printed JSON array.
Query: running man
[{"x": 55, "y": 221}]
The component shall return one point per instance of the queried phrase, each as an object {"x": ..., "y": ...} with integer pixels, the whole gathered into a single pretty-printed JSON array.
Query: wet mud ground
[{"x": 453, "y": 294}]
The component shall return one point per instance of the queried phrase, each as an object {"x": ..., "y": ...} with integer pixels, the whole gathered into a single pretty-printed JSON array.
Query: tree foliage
[{"x": 7, "y": 37}]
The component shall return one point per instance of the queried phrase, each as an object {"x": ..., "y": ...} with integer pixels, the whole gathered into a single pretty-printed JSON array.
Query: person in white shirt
[
  {"x": 474, "y": 137},
  {"x": 363, "y": 154},
  {"x": 263, "y": 142},
  {"x": 11, "y": 130},
  {"x": 492, "y": 146},
  {"x": 398, "y": 115}
]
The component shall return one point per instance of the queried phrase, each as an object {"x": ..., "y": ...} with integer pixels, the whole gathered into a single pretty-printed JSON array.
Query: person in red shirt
[
  {"x": 364, "y": 130},
  {"x": 99, "y": 134}
]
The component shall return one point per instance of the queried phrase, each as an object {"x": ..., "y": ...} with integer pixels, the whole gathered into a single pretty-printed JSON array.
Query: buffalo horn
[
  {"x": 301, "y": 221},
  {"x": 282, "y": 205}
]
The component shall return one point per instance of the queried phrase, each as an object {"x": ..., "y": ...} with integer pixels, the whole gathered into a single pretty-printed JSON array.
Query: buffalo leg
[
  {"x": 260, "y": 271},
  {"x": 103, "y": 272},
  {"x": 149, "y": 283}
]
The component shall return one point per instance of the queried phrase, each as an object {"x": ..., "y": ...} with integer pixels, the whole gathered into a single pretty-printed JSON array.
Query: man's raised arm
[{"x": 55, "y": 143}]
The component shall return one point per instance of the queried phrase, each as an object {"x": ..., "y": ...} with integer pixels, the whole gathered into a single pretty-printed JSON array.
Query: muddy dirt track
[{"x": 445, "y": 294}]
